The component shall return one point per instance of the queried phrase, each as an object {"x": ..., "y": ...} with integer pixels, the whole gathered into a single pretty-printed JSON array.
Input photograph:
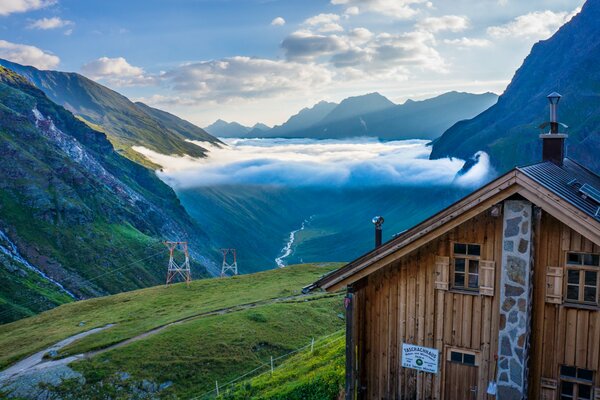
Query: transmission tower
[
  {"x": 175, "y": 269},
  {"x": 227, "y": 266}
]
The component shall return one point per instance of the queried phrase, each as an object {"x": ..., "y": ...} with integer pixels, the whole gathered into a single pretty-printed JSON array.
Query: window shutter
[
  {"x": 487, "y": 271},
  {"x": 597, "y": 393},
  {"x": 442, "y": 270},
  {"x": 554, "y": 285},
  {"x": 549, "y": 387}
]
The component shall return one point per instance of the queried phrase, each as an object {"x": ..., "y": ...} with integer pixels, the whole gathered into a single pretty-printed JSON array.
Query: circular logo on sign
[{"x": 419, "y": 362}]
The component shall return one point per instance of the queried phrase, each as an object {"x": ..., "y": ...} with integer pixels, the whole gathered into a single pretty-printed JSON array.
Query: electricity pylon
[
  {"x": 227, "y": 266},
  {"x": 175, "y": 269}
]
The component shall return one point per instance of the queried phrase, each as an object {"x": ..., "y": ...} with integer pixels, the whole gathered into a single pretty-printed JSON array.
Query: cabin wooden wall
[
  {"x": 399, "y": 304},
  {"x": 561, "y": 334}
]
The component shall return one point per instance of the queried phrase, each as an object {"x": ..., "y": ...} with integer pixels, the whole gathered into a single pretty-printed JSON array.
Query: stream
[{"x": 286, "y": 251}]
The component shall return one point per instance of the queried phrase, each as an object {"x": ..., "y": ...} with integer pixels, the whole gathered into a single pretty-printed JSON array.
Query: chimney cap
[
  {"x": 377, "y": 221},
  {"x": 554, "y": 97}
]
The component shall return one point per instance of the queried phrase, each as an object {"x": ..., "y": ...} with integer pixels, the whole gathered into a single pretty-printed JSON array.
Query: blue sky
[{"x": 263, "y": 60}]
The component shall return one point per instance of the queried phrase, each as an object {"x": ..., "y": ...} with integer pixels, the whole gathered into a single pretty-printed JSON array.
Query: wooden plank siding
[
  {"x": 562, "y": 334},
  {"x": 400, "y": 304}
]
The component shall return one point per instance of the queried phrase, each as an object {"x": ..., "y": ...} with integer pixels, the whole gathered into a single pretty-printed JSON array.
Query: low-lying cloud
[{"x": 318, "y": 163}]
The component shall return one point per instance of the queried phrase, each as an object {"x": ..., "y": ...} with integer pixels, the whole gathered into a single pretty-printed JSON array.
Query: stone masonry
[{"x": 514, "y": 301}]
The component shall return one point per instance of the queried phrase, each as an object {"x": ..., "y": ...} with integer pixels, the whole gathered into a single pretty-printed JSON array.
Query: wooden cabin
[{"x": 495, "y": 297}]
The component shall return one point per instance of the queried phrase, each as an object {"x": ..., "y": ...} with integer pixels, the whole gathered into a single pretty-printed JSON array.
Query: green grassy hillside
[
  {"x": 223, "y": 328},
  {"x": 309, "y": 375}
]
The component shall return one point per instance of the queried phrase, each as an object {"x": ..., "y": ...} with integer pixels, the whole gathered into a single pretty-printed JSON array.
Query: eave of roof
[{"x": 515, "y": 181}]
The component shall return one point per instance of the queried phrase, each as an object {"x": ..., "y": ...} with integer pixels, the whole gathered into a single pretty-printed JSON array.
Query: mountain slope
[
  {"x": 226, "y": 129},
  {"x": 125, "y": 123},
  {"x": 217, "y": 329},
  {"x": 376, "y": 116},
  {"x": 71, "y": 207},
  {"x": 304, "y": 119},
  {"x": 566, "y": 63}
]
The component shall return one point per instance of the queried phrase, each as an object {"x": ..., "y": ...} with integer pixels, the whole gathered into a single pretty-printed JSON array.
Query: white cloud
[
  {"x": 352, "y": 10},
  {"x": 325, "y": 23},
  {"x": 117, "y": 71},
  {"x": 279, "y": 21},
  {"x": 17, "y": 6},
  {"x": 314, "y": 163},
  {"x": 49, "y": 23},
  {"x": 27, "y": 55},
  {"x": 244, "y": 78},
  {"x": 534, "y": 25},
  {"x": 452, "y": 23},
  {"x": 305, "y": 45},
  {"x": 399, "y": 9},
  {"x": 468, "y": 42}
]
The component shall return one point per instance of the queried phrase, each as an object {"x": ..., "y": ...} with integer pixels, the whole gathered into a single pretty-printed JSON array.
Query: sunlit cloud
[
  {"x": 28, "y": 55},
  {"x": 364, "y": 162}
]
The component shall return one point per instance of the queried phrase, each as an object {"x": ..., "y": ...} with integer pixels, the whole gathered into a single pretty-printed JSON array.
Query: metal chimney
[
  {"x": 378, "y": 222},
  {"x": 553, "y": 141}
]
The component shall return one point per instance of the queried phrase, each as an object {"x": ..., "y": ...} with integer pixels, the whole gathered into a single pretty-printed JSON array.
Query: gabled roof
[
  {"x": 554, "y": 193},
  {"x": 567, "y": 181}
]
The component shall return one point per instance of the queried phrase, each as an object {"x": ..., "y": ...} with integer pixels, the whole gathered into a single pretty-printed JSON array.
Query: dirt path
[{"x": 36, "y": 362}]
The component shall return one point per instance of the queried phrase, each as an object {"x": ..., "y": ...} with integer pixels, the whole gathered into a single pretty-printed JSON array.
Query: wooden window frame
[
  {"x": 576, "y": 382},
  {"x": 468, "y": 258},
  {"x": 474, "y": 353},
  {"x": 581, "y": 269}
]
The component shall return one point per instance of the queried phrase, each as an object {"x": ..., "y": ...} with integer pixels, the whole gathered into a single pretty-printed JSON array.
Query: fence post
[
  {"x": 312, "y": 345},
  {"x": 271, "y": 365},
  {"x": 217, "y": 385}
]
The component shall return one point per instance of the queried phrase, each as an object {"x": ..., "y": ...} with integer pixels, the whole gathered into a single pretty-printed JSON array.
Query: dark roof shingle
[{"x": 565, "y": 181}]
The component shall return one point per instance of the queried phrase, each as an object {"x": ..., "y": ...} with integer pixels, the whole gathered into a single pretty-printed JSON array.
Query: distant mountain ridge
[
  {"x": 125, "y": 123},
  {"x": 371, "y": 115},
  {"x": 566, "y": 63}
]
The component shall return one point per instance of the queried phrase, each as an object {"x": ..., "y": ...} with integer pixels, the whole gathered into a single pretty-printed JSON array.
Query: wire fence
[{"x": 221, "y": 388}]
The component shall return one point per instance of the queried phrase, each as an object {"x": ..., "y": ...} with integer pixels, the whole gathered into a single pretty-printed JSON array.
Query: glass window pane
[
  {"x": 585, "y": 392},
  {"x": 473, "y": 266},
  {"x": 567, "y": 388},
  {"x": 469, "y": 359},
  {"x": 456, "y": 356},
  {"x": 459, "y": 279},
  {"x": 473, "y": 281},
  {"x": 565, "y": 370},
  {"x": 573, "y": 276},
  {"x": 460, "y": 248},
  {"x": 459, "y": 264},
  {"x": 590, "y": 259},
  {"x": 474, "y": 250},
  {"x": 572, "y": 292},
  {"x": 591, "y": 278},
  {"x": 585, "y": 374},
  {"x": 574, "y": 258},
  {"x": 589, "y": 294}
]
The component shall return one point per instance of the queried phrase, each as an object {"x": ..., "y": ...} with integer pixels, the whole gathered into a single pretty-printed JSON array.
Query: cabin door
[{"x": 461, "y": 376}]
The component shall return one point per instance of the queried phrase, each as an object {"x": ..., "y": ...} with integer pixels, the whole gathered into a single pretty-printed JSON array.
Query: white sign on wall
[{"x": 420, "y": 358}]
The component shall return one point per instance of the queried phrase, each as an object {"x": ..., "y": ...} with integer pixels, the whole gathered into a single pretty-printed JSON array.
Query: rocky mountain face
[
  {"x": 76, "y": 218},
  {"x": 566, "y": 63},
  {"x": 125, "y": 123}
]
